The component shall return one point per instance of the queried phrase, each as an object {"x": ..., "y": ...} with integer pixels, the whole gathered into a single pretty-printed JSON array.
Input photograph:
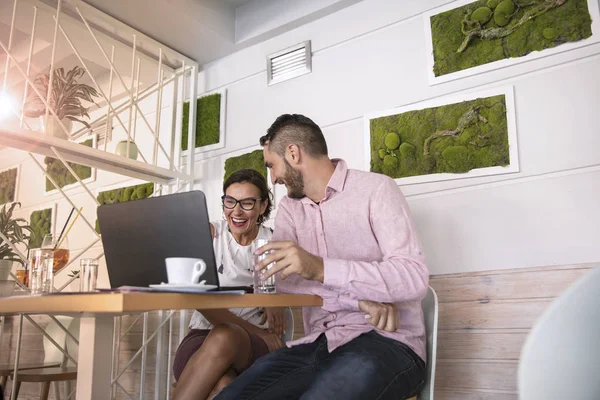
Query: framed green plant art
[
  {"x": 61, "y": 175},
  {"x": 253, "y": 160},
  {"x": 9, "y": 184},
  {"x": 210, "y": 122},
  {"x": 470, "y": 37},
  {"x": 447, "y": 138},
  {"x": 42, "y": 222},
  {"x": 123, "y": 194},
  {"x": 250, "y": 159}
]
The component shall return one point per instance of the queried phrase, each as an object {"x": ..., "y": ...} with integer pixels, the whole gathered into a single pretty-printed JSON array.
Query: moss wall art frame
[
  {"x": 61, "y": 175},
  {"x": 447, "y": 138},
  {"x": 123, "y": 194},
  {"x": 210, "y": 122},
  {"x": 42, "y": 222},
  {"x": 469, "y": 37},
  {"x": 253, "y": 160},
  {"x": 249, "y": 159},
  {"x": 9, "y": 184}
]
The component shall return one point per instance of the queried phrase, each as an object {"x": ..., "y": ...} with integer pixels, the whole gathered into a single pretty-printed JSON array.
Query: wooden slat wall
[{"x": 483, "y": 322}]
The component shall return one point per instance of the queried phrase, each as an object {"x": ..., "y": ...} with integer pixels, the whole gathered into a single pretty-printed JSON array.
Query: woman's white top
[{"x": 234, "y": 265}]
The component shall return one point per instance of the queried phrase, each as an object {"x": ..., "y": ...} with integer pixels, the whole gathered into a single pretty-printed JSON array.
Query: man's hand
[
  {"x": 275, "y": 316},
  {"x": 289, "y": 258},
  {"x": 383, "y": 316},
  {"x": 272, "y": 340}
]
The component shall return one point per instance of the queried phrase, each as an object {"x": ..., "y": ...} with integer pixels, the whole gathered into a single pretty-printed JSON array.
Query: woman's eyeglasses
[{"x": 246, "y": 204}]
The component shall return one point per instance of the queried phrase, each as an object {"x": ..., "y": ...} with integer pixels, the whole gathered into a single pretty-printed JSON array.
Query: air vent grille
[{"x": 289, "y": 63}]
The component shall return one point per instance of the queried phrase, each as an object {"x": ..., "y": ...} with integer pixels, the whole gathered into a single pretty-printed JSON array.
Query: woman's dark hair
[{"x": 254, "y": 177}]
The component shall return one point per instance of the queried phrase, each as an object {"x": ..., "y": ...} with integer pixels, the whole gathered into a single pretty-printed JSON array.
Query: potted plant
[
  {"x": 121, "y": 149},
  {"x": 66, "y": 100},
  {"x": 16, "y": 231}
]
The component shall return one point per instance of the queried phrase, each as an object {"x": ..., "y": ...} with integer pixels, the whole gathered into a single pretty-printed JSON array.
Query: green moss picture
[
  {"x": 208, "y": 121},
  {"x": 253, "y": 160},
  {"x": 485, "y": 31},
  {"x": 61, "y": 175},
  {"x": 453, "y": 138},
  {"x": 8, "y": 185},
  {"x": 121, "y": 195},
  {"x": 41, "y": 225}
]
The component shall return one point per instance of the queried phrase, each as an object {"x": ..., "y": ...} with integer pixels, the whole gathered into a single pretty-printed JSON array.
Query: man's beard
[{"x": 294, "y": 182}]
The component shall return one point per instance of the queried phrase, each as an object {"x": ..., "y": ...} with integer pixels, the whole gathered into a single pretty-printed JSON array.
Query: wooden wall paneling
[
  {"x": 532, "y": 283},
  {"x": 477, "y": 374},
  {"x": 492, "y": 314},
  {"x": 481, "y": 344},
  {"x": 473, "y": 394}
]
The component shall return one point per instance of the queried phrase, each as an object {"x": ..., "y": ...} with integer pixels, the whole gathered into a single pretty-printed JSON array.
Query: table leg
[
  {"x": 161, "y": 379},
  {"x": 95, "y": 357}
]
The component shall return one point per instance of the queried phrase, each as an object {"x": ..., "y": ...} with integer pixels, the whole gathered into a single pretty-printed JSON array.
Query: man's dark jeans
[{"x": 368, "y": 367}]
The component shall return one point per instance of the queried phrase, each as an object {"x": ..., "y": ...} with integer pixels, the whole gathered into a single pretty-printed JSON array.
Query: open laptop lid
[{"x": 138, "y": 235}]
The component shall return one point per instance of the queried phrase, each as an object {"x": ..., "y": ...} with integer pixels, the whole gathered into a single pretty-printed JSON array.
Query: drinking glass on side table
[
  {"x": 88, "y": 274},
  {"x": 262, "y": 285},
  {"x": 60, "y": 248},
  {"x": 41, "y": 274}
]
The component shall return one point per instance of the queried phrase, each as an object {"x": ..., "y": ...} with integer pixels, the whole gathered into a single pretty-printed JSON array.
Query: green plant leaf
[{"x": 66, "y": 97}]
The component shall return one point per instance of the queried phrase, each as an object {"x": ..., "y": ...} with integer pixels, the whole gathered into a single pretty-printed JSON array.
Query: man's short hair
[{"x": 295, "y": 129}]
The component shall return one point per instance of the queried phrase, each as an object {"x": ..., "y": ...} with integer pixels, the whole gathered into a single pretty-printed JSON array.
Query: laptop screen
[{"x": 138, "y": 235}]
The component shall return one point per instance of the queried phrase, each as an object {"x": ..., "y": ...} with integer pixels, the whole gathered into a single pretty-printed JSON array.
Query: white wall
[{"x": 371, "y": 56}]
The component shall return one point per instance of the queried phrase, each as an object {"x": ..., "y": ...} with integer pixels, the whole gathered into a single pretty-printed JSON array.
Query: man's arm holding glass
[
  {"x": 274, "y": 316},
  {"x": 363, "y": 286}
]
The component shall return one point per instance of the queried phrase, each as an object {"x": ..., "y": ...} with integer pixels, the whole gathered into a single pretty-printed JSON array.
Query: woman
[{"x": 223, "y": 343}]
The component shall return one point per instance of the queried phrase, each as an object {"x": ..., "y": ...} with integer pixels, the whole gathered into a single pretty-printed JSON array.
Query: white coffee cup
[{"x": 182, "y": 270}]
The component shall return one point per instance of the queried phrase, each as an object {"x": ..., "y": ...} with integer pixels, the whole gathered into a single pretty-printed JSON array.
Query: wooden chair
[
  {"x": 7, "y": 370},
  {"x": 62, "y": 372},
  {"x": 46, "y": 376}
]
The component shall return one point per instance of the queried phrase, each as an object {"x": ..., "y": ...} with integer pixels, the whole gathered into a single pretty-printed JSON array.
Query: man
[{"x": 346, "y": 236}]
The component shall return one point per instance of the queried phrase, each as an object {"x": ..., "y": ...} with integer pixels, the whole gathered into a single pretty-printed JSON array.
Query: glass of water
[
  {"x": 262, "y": 285},
  {"x": 88, "y": 274},
  {"x": 41, "y": 274}
]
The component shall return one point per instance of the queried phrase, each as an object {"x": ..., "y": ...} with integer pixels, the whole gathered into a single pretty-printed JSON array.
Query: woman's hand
[
  {"x": 272, "y": 340},
  {"x": 275, "y": 316}
]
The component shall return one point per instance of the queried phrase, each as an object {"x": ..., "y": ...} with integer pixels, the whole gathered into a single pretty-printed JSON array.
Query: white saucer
[{"x": 199, "y": 287}]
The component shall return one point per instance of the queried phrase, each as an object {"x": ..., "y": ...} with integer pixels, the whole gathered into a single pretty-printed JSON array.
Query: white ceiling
[
  {"x": 205, "y": 30},
  {"x": 234, "y": 3},
  {"x": 202, "y": 30}
]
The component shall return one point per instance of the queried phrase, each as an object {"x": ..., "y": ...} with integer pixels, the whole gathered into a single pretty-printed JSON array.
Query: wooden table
[{"x": 97, "y": 323}]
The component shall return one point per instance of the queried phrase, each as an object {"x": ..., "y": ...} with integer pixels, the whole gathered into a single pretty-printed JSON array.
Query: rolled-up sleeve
[
  {"x": 402, "y": 274},
  {"x": 285, "y": 230}
]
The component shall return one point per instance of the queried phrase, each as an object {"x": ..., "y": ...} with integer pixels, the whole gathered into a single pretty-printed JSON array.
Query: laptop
[{"x": 138, "y": 235}]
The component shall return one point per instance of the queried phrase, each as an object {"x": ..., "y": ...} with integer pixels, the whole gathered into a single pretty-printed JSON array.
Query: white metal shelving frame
[{"x": 172, "y": 68}]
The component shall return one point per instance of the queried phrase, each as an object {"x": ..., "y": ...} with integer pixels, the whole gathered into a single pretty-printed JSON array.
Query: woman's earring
[{"x": 223, "y": 215}]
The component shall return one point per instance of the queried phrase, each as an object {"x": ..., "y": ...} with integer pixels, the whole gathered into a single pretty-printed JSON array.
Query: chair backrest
[
  {"x": 53, "y": 354},
  {"x": 561, "y": 356},
  {"x": 289, "y": 325},
  {"x": 430, "y": 314}
]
